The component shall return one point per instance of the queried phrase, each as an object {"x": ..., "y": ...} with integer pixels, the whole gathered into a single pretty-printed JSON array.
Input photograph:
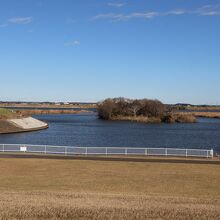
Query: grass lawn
[{"x": 79, "y": 189}]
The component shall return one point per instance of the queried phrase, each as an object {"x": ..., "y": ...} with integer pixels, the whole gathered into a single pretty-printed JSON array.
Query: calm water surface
[{"x": 88, "y": 130}]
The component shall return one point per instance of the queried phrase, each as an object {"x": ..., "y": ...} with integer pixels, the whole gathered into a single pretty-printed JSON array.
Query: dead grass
[
  {"x": 204, "y": 108},
  {"x": 6, "y": 114},
  {"x": 201, "y": 114},
  {"x": 207, "y": 114},
  {"x": 140, "y": 118},
  {"x": 44, "y": 105},
  {"x": 39, "y": 205},
  {"x": 51, "y": 111},
  {"x": 77, "y": 189},
  {"x": 184, "y": 118}
]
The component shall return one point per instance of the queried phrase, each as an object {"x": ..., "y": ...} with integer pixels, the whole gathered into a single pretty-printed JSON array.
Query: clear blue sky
[{"x": 88, "y": 50}]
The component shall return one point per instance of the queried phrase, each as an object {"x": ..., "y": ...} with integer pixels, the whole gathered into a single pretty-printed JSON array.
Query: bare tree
[
  {"x": 134, "y": 107},
  {"x": 127, "y": 107}
]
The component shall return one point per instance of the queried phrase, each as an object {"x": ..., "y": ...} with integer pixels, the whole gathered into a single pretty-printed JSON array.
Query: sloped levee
[{"x": 21, "y": 125}]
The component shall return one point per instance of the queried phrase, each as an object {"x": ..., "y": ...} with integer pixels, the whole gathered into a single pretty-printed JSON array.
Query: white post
[
  {"x": 211, "y": 153},
  {"x": 166, "y": 151},
  {"x": 65, "y": 150},
  {"x": 186, "y": 153},
  {"x": 126, "y": 151},
  {"x": 45, "y": 149},
  {"x": 86, "y": 151},
  {"x": 3, "y": 148},
  {"x": 146, "y": 151},
  {"x": 106, "y": 151}
]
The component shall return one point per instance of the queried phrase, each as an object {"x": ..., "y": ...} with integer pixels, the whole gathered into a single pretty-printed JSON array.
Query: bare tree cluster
[{"x": 127, "y": 107}]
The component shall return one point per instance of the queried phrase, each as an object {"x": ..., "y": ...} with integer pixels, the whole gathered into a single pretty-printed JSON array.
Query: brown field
[
  {"x": 40, "y": 105},
  {"x": 7, "y": 114},
  {"x": 83, "y": 189},
  {"x": 207, "y": 114},
  {"x": 202, "y": 114},
  {"x": 50, "y": 111},
  {"x": 204, "y": 108}
]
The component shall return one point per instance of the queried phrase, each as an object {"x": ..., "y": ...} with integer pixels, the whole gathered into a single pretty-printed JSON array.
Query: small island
[
  {"x": 13, "y": 122},
  {"x": 141, "y": 110}
]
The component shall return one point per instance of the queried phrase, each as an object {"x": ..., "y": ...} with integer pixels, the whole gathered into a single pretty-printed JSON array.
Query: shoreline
[
  {"x": 169, "y": 119},
  {"x": 25, "y": 130},
  {"x": 206, "y": 114}
]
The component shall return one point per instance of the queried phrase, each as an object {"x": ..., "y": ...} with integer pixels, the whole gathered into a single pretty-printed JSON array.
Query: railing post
[
  {"x": 3, "y": 148},
  {"x": 45, "y": 149},
  {"x": 65, "y": 150},
  {"x": 126, "y": 151},
  {"x": 106, "y": 151},
  {"x": 212, "y": 153},
  {"x": 186, "y": 153},
  {"x": 166, "y": 151},
  {"x": 146, "y": 151},
  {"x": 86, "y": 151}
]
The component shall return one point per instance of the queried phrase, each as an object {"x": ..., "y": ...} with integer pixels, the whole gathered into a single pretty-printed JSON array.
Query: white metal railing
[{"x": 66, "y": 150}]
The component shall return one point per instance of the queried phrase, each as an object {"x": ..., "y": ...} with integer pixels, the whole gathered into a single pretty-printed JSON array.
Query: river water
[{"x": 88, "y": 130}]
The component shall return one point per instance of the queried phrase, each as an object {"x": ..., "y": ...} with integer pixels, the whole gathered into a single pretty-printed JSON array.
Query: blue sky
[{"x": 88, "y": 50}]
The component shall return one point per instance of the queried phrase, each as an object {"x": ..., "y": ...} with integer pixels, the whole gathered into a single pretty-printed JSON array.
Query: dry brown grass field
[
  {"x": 44, "y": 105},
  {"x": 207, "y": 114},
  {"x": 84, "y": 189},
  {"x": 50, "y": 111}
]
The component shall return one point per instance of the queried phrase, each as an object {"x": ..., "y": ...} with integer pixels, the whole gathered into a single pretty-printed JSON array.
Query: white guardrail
[{"x": 65, "y": 150}]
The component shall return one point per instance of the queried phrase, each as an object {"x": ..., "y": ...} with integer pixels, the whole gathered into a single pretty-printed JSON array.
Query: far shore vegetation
[{"x": 141, "y": 110}]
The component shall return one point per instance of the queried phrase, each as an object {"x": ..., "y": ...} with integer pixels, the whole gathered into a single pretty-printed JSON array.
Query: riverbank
[
  {"x": 77, "y": 189},
  {"x": 206, "y": 114},
  {"x": 18, "y": 125},
  {"x": 170, "y": 118},
  {"x": 203, "y": 108}
]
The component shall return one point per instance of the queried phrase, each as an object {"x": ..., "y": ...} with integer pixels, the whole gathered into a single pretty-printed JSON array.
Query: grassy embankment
[
  {"x": 74, "y": 189},
  {"x": 8, "y": 114},
  {"x": 6, "y": 126},
  {"x": 22, "y": 124}
]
